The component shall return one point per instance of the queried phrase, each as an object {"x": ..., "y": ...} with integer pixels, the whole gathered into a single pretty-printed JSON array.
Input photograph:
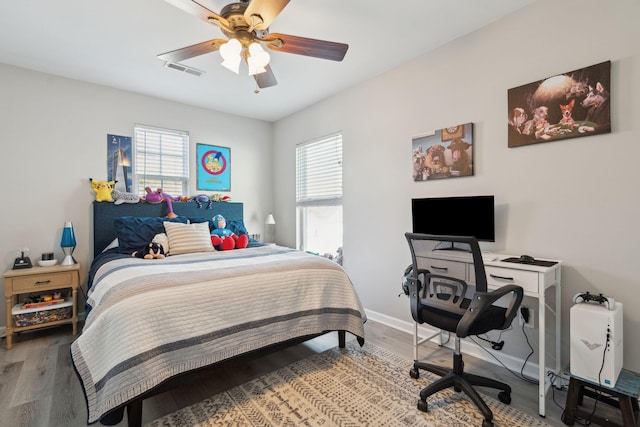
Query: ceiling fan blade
[
  {"x": 304, "y": 46},
  {"x": 179, "y": 55},
  {"x": 266, "y": 79},
  {"x": 267, "y": 10},
  {"x": 198, "y": 10}
]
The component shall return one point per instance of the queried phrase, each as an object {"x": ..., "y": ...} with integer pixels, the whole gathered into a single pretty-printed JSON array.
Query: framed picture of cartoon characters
[
  {"x": 568, "y": 105},
  {"x": 443, "y": 153},
  {"x": 214, "y": 167}
]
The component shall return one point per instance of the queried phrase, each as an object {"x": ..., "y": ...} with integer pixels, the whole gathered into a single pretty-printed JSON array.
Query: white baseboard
[{"x": 467, "y": 346}]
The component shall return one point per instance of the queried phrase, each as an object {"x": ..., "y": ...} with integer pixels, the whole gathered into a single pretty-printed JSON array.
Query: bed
[{"x": 152, "y": 321}]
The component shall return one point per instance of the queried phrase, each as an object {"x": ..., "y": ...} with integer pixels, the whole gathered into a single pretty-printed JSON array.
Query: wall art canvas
[
  {"x": 569, "y": 105},
  {"x": 214, "y": 167},
  {"x": 120, "y": 162},
  {"x": 444, "y": 153}
]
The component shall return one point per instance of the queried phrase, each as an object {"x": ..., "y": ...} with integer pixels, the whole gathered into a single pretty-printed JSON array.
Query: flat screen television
[{"x": 455, "y": 216}]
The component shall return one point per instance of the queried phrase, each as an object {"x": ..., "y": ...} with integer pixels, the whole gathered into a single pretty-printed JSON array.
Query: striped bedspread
[{"x": 153, "y": 319}]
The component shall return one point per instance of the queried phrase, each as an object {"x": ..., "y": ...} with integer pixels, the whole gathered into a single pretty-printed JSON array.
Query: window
[
  {"x": 319, "y": 196},
  {"x": 161, "y": 160}
]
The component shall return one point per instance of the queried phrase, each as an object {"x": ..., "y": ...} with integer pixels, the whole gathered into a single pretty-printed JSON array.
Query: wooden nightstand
[{"x": 36, "y": 280}]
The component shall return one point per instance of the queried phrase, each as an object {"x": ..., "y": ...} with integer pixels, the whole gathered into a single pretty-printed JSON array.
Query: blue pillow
[
  {"x": 135, "y": 232},
  {"x": 237, "y": 226}
]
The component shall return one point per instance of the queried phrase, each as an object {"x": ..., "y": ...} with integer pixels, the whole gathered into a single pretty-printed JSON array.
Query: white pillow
[
  {"x": 162, "y": 239},
  {"x": 188, "y": 238}
]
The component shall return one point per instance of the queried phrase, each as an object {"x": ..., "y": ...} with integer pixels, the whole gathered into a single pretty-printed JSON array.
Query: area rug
[{"x": 354, "y": 386}]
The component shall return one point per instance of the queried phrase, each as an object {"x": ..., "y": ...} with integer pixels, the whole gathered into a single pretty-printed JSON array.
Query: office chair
[{"x": 451, "y": 304}]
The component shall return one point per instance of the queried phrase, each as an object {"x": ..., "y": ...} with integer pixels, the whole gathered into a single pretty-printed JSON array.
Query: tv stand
[
  {"x": 453, "y": 247},
  {"x": 534, "y": 279}
]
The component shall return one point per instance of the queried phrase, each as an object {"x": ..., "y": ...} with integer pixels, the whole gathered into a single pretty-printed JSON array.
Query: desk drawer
[
  {"x": 445, "y": 267},
  {"x": 43, "y": 281},
  {"x": 497, "y": 276}
]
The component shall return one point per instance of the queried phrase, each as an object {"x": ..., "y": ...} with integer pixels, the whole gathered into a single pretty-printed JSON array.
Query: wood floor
[{"x": 39, "y": 387}]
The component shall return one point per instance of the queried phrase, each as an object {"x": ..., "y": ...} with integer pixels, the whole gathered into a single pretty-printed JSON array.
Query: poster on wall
[
  {"x": 569, "y": 105},
  {"x": 119, "y": 162},
  {"x": 214, "y": 168},
  {"x": 444, "y": 153}
]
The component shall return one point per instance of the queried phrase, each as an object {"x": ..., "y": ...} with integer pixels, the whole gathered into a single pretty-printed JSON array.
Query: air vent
[{"x": 183, "y": 68}]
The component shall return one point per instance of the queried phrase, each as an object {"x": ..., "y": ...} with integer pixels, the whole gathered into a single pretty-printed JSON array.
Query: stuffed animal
[
  {"x": 159, "y": 196},
  {"x": 225, "y": 239},
  {"x": 151, "y": 250},
  {"x": 120, "y": 197},
  {"x": 202, "y": 199},
  {"x": 103, "y": 190},
  {"x": 220, "y": 198}
]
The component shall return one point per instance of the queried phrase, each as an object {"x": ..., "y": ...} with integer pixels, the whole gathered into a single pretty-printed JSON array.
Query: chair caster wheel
[
  {"x": 504, "y": 397},
  {"x": 487, "y": 423},
  {"x": 422, "y": 406},
  {"x": 414, "y": 373}
]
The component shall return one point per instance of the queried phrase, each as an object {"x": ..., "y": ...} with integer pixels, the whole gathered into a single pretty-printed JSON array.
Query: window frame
[
  {"x": 332, "y": 198},
  {"x": 174, "y": 141}
]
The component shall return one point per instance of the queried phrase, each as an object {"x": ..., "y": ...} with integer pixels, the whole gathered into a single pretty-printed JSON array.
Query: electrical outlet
[{"x": 530, "y": 323}]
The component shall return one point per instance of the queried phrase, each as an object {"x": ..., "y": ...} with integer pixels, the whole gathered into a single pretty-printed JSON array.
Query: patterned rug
[{"x": 355, "y": 386}]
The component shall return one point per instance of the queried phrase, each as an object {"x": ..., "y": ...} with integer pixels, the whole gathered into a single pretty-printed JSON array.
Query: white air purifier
[{"x": 596, "y": 342}]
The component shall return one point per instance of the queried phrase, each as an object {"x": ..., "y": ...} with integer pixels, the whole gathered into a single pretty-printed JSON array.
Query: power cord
[
  {"x": 587, "y": 421},
  {"x": 494, "y": 345},
  {"x": 526, "y": 337},
  {"x": 563, "y": 387},
  {"x": 520, "y": 375}
]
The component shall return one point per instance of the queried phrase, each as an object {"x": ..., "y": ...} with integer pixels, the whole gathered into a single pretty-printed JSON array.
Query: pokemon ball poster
[{"x": 214, "y": 168}]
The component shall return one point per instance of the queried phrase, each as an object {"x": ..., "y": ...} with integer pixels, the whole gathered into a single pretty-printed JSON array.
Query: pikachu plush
[{"x": 103, "y": 190}]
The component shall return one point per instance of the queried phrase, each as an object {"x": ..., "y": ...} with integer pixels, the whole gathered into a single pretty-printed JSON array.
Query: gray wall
[
  {"x": 53, "y": 134},
  {"x": 574, "y": 200}
]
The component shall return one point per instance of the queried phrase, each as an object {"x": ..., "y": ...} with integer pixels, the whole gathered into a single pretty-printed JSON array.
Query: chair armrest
[
  {"x": 483, "y": 300},
  {"x": 414, "y": 286}
]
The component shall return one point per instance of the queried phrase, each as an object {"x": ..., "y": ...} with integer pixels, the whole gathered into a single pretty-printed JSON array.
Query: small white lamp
[{"x": 269, "y": 222}]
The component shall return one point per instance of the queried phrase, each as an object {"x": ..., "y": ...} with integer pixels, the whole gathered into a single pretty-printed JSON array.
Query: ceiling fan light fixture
[
  {"x": 257, "y": 59},
  {"x": 255, "y": 69},
  {"x": 230, "y": 52}
]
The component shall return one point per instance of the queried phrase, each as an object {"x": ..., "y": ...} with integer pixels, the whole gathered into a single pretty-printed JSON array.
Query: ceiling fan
[{"x": 246, "y": 25}]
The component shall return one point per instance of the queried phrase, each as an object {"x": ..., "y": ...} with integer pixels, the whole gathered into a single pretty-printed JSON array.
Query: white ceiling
[{"x": 115, "y": 43}]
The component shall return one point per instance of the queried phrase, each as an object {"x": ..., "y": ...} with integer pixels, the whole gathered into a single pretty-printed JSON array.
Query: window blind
[
  {"x": 162, "y": 159},
  {"x": 319, "y": 171}
]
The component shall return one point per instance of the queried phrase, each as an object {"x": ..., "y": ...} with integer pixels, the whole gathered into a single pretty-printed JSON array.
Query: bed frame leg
[
  {"x": 342, "y": 339},
  {"x": 134, "y": 413}
]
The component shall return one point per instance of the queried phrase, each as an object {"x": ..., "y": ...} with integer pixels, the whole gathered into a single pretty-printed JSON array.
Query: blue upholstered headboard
[{"x": 104, "y": 213}]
